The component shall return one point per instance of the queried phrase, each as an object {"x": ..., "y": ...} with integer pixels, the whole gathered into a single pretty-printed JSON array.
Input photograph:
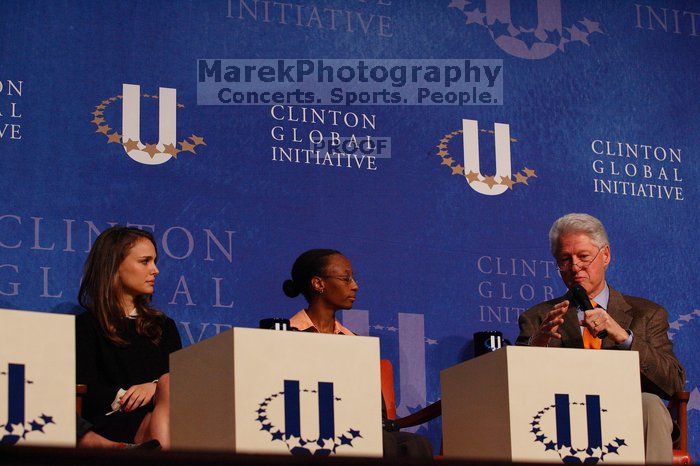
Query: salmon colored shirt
[{"x": 302, "y": 322}]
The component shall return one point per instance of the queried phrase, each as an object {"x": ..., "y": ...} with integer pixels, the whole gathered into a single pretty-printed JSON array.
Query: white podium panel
[
  {"x": 265, "y": 391},
  {"x": 526, "y": 404},
  {"x": 37, "y": 379}
]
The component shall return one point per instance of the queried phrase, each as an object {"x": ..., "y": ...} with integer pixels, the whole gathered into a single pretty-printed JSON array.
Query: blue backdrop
[{"x": 600, "y": 100}]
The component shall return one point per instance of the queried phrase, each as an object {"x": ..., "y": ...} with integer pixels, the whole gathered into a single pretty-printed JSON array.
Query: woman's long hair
[{"x": 99, "y": 291}]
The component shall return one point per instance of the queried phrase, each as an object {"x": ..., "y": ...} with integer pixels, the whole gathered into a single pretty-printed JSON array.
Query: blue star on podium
[
  {"x": 266, "y": 427},
  {"x": 36, "y": 426}
]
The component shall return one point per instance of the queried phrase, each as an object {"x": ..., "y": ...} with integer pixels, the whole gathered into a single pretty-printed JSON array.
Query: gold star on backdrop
[
  {"x": 186, "y": 146},
  {"x": 198, "y": 141},
  {"x": 529, "y": 172},
  {"x": 519, "y": 178},
  {"x": 505, "y": 181},
  {"x": 114, "y": 137},
  {"x": 447, "y": 161},
  {"x": 457, "y": 170},
  {"x": 131, "y": 145},
  {"x": 490, "y": 181},
  {"x": 472, "y": 176},
  {"x": 172, "y": 150},
  {"x": 103, "y": 129},
  {"x": 151, "y": 150}
]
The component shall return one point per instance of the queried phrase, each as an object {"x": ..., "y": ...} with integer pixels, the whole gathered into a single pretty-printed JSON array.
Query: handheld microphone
[{"x": 580, "y": 297}]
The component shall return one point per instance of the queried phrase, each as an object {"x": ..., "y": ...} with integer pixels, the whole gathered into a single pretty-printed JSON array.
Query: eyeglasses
[
  {"x": 345, "y": 278},
  {"x": 567, "y": 264}
]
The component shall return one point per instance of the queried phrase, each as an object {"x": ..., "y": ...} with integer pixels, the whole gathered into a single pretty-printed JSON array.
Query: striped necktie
[{"x": 589, "y": 341}]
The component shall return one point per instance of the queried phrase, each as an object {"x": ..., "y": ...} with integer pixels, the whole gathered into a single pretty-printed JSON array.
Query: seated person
[
  {"x": 86, "y": 438},
  {"x": 617, "y": 322},
  {"x": 122, "y": 342},
  {"x": 324, "y": 277}
]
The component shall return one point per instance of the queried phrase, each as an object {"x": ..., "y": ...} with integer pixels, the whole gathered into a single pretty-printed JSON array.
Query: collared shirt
[
  {"x": 303, "y": 323},
  {"x": 602, "y": 301}
]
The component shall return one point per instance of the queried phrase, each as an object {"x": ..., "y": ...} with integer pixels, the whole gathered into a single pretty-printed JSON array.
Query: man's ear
[{"x": 607, "y": 256}]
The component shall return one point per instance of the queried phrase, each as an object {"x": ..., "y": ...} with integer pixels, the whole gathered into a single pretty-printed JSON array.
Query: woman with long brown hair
[{"x": 122, "y": 342}]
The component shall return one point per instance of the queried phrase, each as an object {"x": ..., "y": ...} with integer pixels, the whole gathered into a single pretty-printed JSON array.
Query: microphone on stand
[
  {"x": 580, "y": 297},
  {"x": 275, "y": 323}
]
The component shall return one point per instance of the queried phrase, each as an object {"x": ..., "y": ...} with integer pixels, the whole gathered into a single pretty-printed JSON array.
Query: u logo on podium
[
  {"x": 563, "y": 417},
  {"x": 565, "y": 413},
  {"x": 292, "y": 410},
  {"x": 16, "y": 427},
  {"x": 323, "y": 444},
  {"x": 16, "y": 394}
]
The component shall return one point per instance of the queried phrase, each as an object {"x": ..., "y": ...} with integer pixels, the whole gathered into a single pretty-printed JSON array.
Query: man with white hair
[{"x": 581, "y": 249}]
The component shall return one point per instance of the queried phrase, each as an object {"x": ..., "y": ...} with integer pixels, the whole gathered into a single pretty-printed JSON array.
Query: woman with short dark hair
[{"x": 325, "y": 278}]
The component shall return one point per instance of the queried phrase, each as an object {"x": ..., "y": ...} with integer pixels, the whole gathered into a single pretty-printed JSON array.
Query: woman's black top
[{"x": 105, "y": 368}]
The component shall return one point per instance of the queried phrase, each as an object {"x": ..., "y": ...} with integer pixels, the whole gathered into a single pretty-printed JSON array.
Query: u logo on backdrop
[
  {"x": 412, "y": 344},
  {"x": 561, "y": 442},
  {"x": 130, "y": 139},
  {"x": 17, "y": 427},
  {"x": 546, "y": 38},
  {"x": 491, "y": 185},
  {"x": 293, "y": 397}
]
